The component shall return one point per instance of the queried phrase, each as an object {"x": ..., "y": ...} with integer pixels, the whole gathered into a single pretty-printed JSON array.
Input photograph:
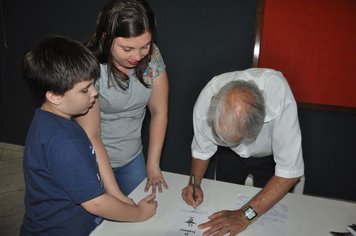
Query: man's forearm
[
  {"x": 273, "y": 192},
  {"x": 198, "y": 169}
]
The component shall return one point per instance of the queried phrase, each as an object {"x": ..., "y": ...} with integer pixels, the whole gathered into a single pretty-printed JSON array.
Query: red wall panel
[{"x": 313, "y": 42}]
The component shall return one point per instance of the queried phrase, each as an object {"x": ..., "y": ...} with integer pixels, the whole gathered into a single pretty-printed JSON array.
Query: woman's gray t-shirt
[{"x": 122, "y": 111}]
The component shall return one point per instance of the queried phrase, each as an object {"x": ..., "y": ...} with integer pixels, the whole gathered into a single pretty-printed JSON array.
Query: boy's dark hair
[{"x": 57, "y": 64}]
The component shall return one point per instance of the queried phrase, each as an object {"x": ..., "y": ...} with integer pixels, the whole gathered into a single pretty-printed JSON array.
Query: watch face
[{"x": 250, "y": 213}]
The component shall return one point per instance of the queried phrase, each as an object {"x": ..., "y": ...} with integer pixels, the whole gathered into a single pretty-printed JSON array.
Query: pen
[{"x": 193, "y": 182}]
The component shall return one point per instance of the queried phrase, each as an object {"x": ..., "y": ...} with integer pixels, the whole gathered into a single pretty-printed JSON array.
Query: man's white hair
[{"x": 237, "y": 112}]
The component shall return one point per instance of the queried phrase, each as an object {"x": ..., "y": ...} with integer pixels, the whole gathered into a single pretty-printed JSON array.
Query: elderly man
[{"x": 254, "y": 114}]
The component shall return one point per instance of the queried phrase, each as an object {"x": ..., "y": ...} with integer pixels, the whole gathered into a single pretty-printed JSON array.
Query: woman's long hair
[{"x": 122, "y": 18}]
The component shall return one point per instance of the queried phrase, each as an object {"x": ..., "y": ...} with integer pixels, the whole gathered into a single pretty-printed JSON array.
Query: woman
[{"x": 132, "y": 77}]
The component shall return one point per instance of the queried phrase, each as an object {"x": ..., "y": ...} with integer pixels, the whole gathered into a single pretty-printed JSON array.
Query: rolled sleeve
[
  {"x": 202, "y": 146},
  {"x": 286, "y": 143}
]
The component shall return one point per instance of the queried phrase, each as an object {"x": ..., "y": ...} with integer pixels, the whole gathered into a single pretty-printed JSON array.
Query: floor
[{"x": 11, "y": 189}]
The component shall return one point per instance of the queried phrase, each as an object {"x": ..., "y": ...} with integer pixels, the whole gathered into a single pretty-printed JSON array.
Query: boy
[{"x": 64, "y": 194}]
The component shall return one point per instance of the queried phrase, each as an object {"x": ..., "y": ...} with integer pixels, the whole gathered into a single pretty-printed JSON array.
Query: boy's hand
[{"x": 147, "y": 207}]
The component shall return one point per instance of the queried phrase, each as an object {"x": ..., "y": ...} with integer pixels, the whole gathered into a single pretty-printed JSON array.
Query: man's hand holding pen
[{"x": 192, "y": 194}]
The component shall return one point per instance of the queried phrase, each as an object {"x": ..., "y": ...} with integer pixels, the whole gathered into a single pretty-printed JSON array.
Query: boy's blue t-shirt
[{"x": 60, "y": 172}]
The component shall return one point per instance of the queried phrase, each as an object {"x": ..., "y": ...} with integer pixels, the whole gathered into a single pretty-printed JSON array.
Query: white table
[{"x": 306, "y": 215}]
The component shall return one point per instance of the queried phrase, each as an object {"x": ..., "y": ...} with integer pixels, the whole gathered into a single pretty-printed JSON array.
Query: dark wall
[
  {"x": 198, "y": 39},
  {"x": 329, "y": 151},
  {"x": 25, "y": 23}
]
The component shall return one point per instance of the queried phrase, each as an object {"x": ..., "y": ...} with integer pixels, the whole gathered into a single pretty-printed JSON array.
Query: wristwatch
[{"x": 249, "y": 212}]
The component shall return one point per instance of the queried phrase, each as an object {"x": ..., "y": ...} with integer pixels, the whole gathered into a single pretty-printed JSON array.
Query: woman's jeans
[{"x": 131, "y": 175}]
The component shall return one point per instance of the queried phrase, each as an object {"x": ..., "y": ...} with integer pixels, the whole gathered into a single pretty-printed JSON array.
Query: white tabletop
[{"x": 306, "y": 215}]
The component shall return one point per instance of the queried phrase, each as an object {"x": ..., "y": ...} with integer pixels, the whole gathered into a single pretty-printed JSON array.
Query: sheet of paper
[
  {"x": 273, "y": 222},
  {"x": 186, "y": 219}
]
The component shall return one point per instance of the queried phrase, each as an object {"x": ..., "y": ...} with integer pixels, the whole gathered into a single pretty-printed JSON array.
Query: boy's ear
[{"x": 53, "y": 98}]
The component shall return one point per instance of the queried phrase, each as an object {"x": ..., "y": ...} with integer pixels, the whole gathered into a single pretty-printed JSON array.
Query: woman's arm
[
  {"x": 90, "y": 122},
  {"x": 158, "y": 106}
]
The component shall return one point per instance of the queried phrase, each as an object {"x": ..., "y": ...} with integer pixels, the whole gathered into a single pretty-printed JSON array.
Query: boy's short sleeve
[{"x": 75, "y": 169}]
